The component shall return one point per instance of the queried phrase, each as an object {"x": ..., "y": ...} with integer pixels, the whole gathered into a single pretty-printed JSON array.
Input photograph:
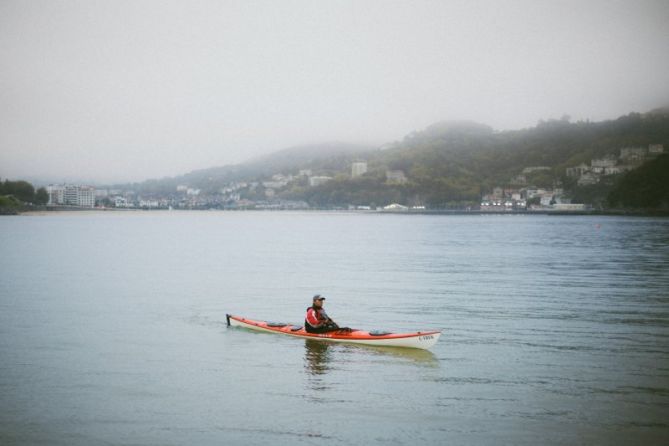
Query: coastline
[{"x": 50, "y": 210}]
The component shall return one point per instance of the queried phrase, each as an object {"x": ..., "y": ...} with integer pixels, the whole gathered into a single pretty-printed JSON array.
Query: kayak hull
[{"x": 421, "y": 339}]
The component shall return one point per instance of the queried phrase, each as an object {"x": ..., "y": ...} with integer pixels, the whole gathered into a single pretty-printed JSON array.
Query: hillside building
[
  {"x": 274, "y": 184},
  {"x": 655, "y": 149},
  {"x": 598, "y": 165},
  {"x": 615, "y": 170},
  {"x": 630, "y": 154},
  {"x": 533, "y": 169},
  {"x": 395, "y": 176},
  {"x": 588, "y": 178},
  {"x": 358, "y": 168},
  {"x": 317, "y": 181},
  {"x": 577, "y": 171}
]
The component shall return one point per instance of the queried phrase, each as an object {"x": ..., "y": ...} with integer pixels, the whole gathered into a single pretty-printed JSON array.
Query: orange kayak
[{"x": 420, "y": 339}]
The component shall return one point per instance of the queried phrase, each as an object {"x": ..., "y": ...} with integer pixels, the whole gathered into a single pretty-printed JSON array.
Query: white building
[
  {"x": 149, "y": 203},
  {"x": 56, "y": 193},
  {"x": 655, "y": 149},
  {"x": 396, "y": 176},
  {"x": 587, "y": 179},
  {"x": 577, "y": 171},
  {"x": 535, "y": 192},
  {"x": 283, "y": 178},
  {"x": 632, "y": 153},
  {"x": 274, "y": 184},
  {"x": 87, "y": 196},
  {"x": 599, "y": 165},
  {"x": 546, "y": 200},
  {"x": 120, "y": 202},
  {"x": 395, "y": 207},
  {"x": 317, "y": 181},
  {"x": 358, "y": 168},
  {"x": 71, "y": 195},
  {"x": 614, "y": 170},
  {"x": 533, "y": 169},
  {"x": 83, "y": 196}
]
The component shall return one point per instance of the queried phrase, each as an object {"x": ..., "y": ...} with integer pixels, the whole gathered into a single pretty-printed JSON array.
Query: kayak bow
[{"x": 421, "y": 339}]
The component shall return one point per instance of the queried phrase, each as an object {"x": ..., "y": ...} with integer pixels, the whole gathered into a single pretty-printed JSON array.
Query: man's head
[{"x": 318, "y": 300}]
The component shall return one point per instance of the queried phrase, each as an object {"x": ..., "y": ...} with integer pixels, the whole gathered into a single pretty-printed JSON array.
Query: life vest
[{"x": 315, "y": 317}]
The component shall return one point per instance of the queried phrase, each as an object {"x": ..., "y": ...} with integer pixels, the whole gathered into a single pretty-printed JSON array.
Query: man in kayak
[{"x": 317, "y": 320}]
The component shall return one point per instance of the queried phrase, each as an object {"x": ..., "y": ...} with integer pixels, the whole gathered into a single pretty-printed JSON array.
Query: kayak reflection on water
[
  {"x": 319, "y": 354},
  {"x": 317, "y": 357}
]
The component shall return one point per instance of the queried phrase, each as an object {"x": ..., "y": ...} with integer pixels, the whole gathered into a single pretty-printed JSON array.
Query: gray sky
[{"x": 130, "y": 90}]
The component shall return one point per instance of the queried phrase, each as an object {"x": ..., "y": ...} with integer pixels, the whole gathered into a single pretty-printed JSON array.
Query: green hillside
[
  {"x": 19, "y": 195},
  {"x": 452, "y": 164},
  {"x": 644, "y": 188},
  {"x": 446, "y": 165}
]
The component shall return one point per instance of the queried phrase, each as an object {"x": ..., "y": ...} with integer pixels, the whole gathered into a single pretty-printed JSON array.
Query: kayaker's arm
[{"x": 324, "y": 316}]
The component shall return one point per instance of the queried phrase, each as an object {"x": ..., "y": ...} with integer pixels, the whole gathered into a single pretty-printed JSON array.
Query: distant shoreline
[{"x": 631, "y": 213}]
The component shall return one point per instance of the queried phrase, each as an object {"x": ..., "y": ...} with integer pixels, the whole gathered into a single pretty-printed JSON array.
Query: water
[{"x": 112, "y": 329}]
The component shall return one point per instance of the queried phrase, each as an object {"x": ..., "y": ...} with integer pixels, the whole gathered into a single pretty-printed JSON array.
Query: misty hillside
[
  {"x": 447, "y": 164},
  {"x": 453, "y": 164},
  {"x": 308, "y": 155},
  {"x": 328, "y": 157}
]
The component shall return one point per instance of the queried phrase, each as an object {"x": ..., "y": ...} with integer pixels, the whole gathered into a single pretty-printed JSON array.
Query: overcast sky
[{"x": 130, "y": 90}]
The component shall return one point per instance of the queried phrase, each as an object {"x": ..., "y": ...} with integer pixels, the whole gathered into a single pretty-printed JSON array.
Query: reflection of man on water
[
  {"x": 317, "y": 320},
  {"x": 317, "y": 357}
]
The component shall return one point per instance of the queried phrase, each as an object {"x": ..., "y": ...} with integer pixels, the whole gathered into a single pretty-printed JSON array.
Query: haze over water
[
  {"x": 112, "y": 329},
  {"x": 125, "y": 91}
]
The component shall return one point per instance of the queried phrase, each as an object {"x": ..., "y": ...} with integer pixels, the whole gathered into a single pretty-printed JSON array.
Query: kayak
[{"x": 419, "y": 339}]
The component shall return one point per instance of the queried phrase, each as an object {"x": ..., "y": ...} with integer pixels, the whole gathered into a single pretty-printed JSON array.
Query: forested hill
[
  {"x": 454, "y": 163},
  {"x": 476, "y": 154},
  {"x": 448, "y": 164}
]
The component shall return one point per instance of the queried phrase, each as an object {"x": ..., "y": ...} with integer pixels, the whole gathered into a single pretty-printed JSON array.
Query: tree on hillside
[
  {"x": 41, "y": 196},
  {"x": 22, "y": 190},
  {"x": 644, "y": 188}
]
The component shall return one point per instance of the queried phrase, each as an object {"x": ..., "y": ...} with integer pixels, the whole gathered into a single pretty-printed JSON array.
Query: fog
[{"x": 129, "y": 90}]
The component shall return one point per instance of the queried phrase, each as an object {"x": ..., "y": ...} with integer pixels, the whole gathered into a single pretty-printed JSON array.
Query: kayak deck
[{"x": 420, "y": 339}]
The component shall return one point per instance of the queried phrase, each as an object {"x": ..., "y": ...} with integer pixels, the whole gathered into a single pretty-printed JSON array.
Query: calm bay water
[{"x": 112, "y": 329}]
